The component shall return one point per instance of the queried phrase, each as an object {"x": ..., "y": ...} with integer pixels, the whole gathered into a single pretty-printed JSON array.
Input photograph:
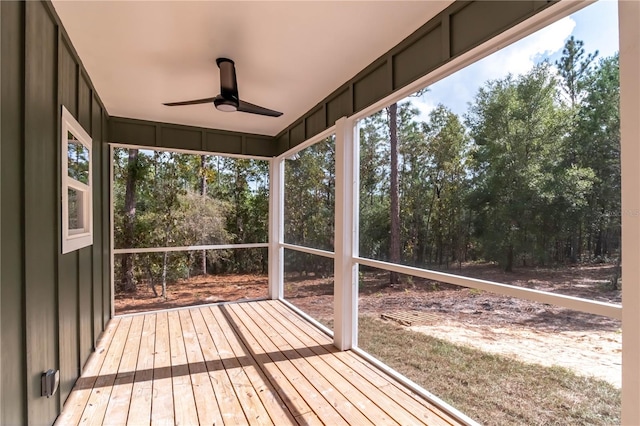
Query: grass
[{"x": 492, "y": 389}]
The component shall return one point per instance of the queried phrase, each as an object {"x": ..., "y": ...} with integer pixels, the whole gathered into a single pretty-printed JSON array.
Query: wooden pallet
[{"x": 411, "y": 318}]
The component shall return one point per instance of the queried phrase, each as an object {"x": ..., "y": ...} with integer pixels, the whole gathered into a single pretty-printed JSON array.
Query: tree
[
  {"x": 517, "y": 129},
  {"x": 445, "y": 166},
  {"x": 374, "y": 198},
  {"x": 129, "y": 216},
  {"x": 309, "y": 204},
  {"x": 201, "y": 221},
  {"x": 166, "y": 191},
  {"x": 597, "y": 133},
  {"x": 203, "y": 194},
  {"x": 394, "y": 246},
  {"x": 574, "y": 68}
]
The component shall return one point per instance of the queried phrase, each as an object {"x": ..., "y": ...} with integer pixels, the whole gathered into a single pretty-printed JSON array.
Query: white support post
[
  {"x": 345, "y": 332},
  {"x": 629, "y": 25},
  {"x": 276, "y": 228},
  {"x": 111, "y": 233}
]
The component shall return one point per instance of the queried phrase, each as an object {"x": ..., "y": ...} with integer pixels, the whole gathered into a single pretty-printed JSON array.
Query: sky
[{"x": 457, "y": 90}]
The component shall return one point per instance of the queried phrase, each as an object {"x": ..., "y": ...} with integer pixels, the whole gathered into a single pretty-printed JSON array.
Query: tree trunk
[
  {"x": 574, "y": 248},
  {"x": 509, "y": 266},
  {"x": 617, "y": 271},
  {"x": 165, "y": 260},
  {"x": 150, "y": 277},
  {"x": 239, "y": 194},
  {"x": 203, "y": 193},
  {"x": 128, "y": 279},
  {"x": 394, "y": 249},
  {"x": 164, "y": 275},
  {"x": 598, "y": 248}
]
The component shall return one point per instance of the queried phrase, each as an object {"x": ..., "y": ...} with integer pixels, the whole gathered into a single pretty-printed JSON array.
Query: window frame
[{"x": 74, "y": 239}]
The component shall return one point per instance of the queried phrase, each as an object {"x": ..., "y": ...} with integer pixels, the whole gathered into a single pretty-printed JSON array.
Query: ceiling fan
[{"x": 228, "y": 99}]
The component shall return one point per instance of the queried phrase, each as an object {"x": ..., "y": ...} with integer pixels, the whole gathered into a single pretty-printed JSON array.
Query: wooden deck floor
[{"x": 245, "y": 363}]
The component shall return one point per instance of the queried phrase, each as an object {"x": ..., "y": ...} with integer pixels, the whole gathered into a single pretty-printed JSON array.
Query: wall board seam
[{"x": 23, "y": 289}]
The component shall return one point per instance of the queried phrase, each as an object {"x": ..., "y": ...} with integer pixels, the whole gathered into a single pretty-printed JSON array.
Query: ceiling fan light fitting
[{"x": 225, "y": 105}]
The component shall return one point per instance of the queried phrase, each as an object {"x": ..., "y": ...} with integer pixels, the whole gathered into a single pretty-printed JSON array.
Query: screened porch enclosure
[
  {"x": 341, "y": 201},
  {"x": 380, "y": 239}
]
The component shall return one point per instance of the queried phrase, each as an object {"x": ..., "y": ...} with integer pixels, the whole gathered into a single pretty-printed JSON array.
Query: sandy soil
[
  {"x": 530, "y": 331},
  {"x": 594, "y": 353}
]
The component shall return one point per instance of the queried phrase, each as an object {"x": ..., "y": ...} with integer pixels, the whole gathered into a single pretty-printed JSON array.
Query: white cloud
[
  {"x": 425, "y": 104},
  {"x": 521, "y": 56},
  {"x": 457, "y": 90}
]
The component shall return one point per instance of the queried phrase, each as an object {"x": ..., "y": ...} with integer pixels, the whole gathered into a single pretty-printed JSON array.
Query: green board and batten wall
[
  {"x": 53, "y": 307},
  {"x": 164, "y": 135}
]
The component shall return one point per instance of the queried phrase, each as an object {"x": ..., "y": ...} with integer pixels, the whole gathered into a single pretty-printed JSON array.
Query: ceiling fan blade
[
  {"x": 228, "y": 82},
  {"x": 255, "y": 109},
  {"x": 194, "y": 102}
]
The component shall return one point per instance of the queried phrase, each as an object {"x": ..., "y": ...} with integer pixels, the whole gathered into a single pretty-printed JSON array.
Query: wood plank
[
  {"x": 81, "y": 392},
  {"x": 376, "y": 377},
  {"x": 414, "y": 402},
  {"x": 203, "y": 392},
  {"x": 141, "y": 395},
  {"x": 120, "y": 399},
  {"x": 272, "y": 372},
  {"x": 350, "y": 402},
  {"x": 228, "y": 403},
  {"x": 162, "y": 403},
  {"x": 317, "y": 391},
  {"x": 254, "y": 410},
  {"x": 99, "y": 398},
  {"x": 277, "y": 409},
  {"x": 367, "y": 397},
  {"x": 278, "y": 375},
  {"x": 309, "y": 419},
  {"x": 183, "y": 400},
  {"x": 417, "y": 405},
  {"x": 244, "y": 363},
  {"x": 409, "y": 318}
]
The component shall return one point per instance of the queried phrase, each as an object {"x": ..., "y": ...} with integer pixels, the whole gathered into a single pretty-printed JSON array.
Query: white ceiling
[{"x": 289, "y": 55}]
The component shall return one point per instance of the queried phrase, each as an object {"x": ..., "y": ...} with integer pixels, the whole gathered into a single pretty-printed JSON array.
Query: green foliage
[
  {"x": 309, "y": 204},
  {"x": 529, "y": 176},
  {"x": 173, "y": 209},
  {"x": 517, "y": 128},
  {"x": 433, "y": 181},
  {"x": 574, "y": 68}
]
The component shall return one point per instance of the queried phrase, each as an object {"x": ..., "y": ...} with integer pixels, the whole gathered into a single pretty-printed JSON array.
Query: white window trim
[{"x": 74, "y": 239}]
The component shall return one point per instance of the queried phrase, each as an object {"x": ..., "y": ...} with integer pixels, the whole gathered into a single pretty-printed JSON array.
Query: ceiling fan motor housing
[
  {"x": 227, "y": 100},
  {"x": 226, "y": 105}
]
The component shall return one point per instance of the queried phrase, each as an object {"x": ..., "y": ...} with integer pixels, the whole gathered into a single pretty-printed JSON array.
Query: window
[{"x": 77, "y": 218}]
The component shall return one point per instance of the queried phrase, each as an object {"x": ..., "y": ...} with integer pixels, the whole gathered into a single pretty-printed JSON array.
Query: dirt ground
[
  {"x": 198, "y": 290},
  {"x": 530, "y": 331}
]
